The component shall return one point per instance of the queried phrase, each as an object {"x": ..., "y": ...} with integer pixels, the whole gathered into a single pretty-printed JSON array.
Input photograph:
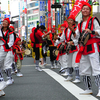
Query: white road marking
[
  {"x": 35, "y": 65},
  {"x": 72, "y": 88}
]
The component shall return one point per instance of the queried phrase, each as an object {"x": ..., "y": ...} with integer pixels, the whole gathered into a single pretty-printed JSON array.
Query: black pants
[
  {"x": 37, "y": 53},
  {"x": 52, "y": 57}
]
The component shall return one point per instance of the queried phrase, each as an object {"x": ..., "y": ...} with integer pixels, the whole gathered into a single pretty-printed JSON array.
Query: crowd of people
[
  {"x": 76, "y": 48},
  {"x": 10, "y": 55}
]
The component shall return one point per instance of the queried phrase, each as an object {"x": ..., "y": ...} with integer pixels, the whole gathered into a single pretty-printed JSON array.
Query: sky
[{"x": 13, "y": 7}]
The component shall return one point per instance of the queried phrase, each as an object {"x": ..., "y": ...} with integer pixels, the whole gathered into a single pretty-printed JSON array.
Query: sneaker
[
  {"x": 98, "y": 95},
  {"x": 2, "y": 93},
  {"x": 76, "y": 81},
  {"x": 52, "y": 67},
  {"x": 55, "y": 66},
  {"x": 62, "y": 70},
  {"x": 13, "y": 72},
  {"x": 69, "y": 78},
  {"x": 19, "y": 74},
  {"x": 65, "y": 74},
  {"x": 86, "y": 92},
  {"x": 2, "y": 85},
  {"x": 45, "y": 64},
  {"x": 42, "y": 66},
  {"x": 10, "y": 81},
  {"x": 38, "y": 68}
]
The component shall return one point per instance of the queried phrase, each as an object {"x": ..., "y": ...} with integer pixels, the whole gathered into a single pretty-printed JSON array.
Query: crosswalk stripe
[{"x": 72, "y": 88}]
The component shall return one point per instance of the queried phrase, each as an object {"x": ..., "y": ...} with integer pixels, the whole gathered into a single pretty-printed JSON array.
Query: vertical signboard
[
  {"x": 42, "y": 12},
  {"x": 53, "y": 11},
  {"x": 67, "y": 10},
  {"x": 0, "y": 18},
  {"x": 49, "y": 14},
  {"x": 46, "y": 14},
  {"x": 40, "y": 5},
  {"x": 43, "y": 6},
  {"x": 58, "y": 17}
]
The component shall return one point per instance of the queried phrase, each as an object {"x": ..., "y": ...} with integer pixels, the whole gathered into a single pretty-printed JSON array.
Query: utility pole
[{"x": 25, "y": 1}]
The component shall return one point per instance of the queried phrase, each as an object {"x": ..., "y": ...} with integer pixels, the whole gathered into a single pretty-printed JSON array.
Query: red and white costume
[{"x": 90, "y": 52}]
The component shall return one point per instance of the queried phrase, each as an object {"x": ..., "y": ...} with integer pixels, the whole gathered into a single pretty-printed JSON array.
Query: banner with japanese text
[{"x": 77, "y": 7}]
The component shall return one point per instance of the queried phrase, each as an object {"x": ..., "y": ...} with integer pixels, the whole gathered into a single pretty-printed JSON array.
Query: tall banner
[
  {"x": 77, "y": 7},
  {"x": 49, "y": 14}
]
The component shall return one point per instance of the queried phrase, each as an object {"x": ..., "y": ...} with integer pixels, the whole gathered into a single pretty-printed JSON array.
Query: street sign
[{"x": 56, "y": 5}]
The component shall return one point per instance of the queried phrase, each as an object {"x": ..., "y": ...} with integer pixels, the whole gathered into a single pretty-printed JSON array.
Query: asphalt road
[{"x": 45, "y": 85}]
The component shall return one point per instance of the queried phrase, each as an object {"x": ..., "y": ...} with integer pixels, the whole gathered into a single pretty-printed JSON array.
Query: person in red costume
[
  {"x": 18, "y": 56},
  {"x": 32, "y": 43},
  {"x": 50, "y": 41},
  {"x": 37, "y": 37},
  {"x": 6, "y": 42},
  {"x": 62, "y": 55},
  {"x": 14, "y": 70},
  {"x": 88, "y": 55},
  {"x": 69, "y": 64}
]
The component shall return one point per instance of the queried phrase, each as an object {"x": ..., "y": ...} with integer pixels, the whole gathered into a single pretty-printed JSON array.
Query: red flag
[{"x": 77, "y": 7}]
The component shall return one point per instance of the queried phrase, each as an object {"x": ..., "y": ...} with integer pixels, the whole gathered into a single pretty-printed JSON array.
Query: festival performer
[
  {"x": 88, "y": 54},
  {"x": 32, "y": 44},
  {"x": 38, "y": 38},
  {"x": 68, "y": 36},
  {"x": 50, "y": 42},
  {"x": 41, "y": 56},
  {"x": 14, "y": 70},
  {"x": 62, "y": 54},
  {"x": 6, "y": 42},
  {"x": 18, "y": 56},
  {"x": 44, "y": 50}
]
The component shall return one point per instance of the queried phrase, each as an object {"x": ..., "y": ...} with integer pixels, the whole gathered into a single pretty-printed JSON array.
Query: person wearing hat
[
  {"x": 88, "y": 54},
  {"x": 62, "y": 55},
  {"x": 6, "y": 42},
  {"x": 50, "y": 42},
  {"x": 37, "y": 38},
  {"x": 18, "y": 56},
  {"x": 68, "y": 37}
]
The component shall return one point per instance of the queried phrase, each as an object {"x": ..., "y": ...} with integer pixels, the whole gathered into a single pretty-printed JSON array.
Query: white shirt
[
  {"x": 63, "y": 38},
  {"x": 11, "y": 39},
  {"x": 95, "y": 28}
]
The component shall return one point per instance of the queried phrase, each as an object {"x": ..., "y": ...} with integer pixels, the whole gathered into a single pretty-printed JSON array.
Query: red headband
[
  {"x": 63, "y": 25},
  {"x": 71, "y": 17},
  {"x": 11, "y": 27},
  {"x": 87, "y": 4},
  {"x": 17, "y": 39},
  {"x": 7, "y": 20}
]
